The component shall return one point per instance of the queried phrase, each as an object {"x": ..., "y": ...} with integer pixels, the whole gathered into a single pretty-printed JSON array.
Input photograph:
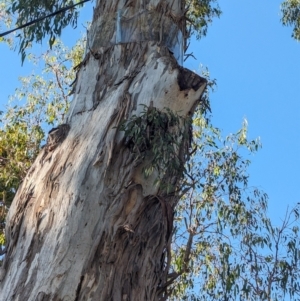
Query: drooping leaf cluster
[
  {"x": 200, "y": 14},
  {"x": 27, "y": 11},
  {"x": 290, "y": 10},
  {"x": 157, "y": 135}
]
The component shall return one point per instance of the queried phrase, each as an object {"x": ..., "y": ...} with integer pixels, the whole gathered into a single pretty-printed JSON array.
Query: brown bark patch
[{"x": 188, "y": 80}]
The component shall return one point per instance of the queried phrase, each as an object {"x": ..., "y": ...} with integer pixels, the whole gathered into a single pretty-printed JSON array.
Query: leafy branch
[{"x": 155, "y": 137}]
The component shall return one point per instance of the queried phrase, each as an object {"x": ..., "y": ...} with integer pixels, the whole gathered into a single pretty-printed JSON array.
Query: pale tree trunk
[{"x": 85, "y": 223}]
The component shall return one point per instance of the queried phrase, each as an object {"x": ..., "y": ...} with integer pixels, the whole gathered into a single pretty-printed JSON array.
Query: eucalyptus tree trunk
[{"x": 85, "y": 223}]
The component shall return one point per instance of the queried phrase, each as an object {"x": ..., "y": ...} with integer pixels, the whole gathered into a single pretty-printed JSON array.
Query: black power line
[{"x": 42, "y": 18}]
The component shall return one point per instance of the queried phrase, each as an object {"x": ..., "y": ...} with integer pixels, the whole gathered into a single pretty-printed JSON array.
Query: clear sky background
[{"x": 257, "y": 67}]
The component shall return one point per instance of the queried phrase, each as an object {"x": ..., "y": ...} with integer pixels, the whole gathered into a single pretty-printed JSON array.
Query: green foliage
[
  {"x": 2, "y": 239},
  {"x": 51, "y": 27},
  {"x": 200, "y": 14},
  {"x": 5, "y": 23},
  {"x": 157, "y": 135},
  {"x": 251, "y": 260},
  {"x": 290, "y": 10}
]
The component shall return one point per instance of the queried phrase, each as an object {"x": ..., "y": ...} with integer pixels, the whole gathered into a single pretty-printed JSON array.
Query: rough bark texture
[{"x": 85, "y": 224}]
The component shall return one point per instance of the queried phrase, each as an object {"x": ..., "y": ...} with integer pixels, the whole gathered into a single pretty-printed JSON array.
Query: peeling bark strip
[
  {"x": 85, "y": 224},
  {"x": 79, "y": 288}
]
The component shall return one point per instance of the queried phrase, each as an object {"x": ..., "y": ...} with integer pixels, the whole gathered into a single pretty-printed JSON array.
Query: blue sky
[{"x": 257, "y": 67}]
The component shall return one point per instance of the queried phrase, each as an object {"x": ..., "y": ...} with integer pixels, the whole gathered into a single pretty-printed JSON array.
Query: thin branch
[{"x": 42, "y": 18}]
